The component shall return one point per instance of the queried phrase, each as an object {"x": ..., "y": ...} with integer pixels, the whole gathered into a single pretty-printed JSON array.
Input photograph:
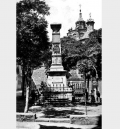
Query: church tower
[
  {"x": 80, "y": 25},
  {"x": 90, "y": 23}
]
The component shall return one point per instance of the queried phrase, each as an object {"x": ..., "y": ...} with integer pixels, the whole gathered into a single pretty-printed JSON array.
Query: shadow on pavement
[
  {"x": 99, "y": 124},
  {"x": 63, "y": 113},
  {"x": 54, "y": 127}
]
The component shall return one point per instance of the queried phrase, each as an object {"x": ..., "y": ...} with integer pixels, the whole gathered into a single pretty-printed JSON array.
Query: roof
[
  {"x": 90, "y": 19},
  {"x": 80, "y": 17}
]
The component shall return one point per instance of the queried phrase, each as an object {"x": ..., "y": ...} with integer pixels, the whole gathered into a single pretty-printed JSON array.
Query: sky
[{"x": 66, "y": 12}]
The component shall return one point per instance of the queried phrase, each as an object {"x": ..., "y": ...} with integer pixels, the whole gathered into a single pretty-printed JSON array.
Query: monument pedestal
[{"x": 57, "y": 81}]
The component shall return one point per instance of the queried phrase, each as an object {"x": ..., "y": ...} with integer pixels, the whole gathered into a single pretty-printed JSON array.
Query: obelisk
[{"x": 56, "y": 74}]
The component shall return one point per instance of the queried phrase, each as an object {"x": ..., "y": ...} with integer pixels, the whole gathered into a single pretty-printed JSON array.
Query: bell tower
[
  {"x": 90, "y": 23},
  {"x": 80, "y": 25}
]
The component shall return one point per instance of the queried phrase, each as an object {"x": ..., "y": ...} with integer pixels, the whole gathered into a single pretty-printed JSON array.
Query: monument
[{"x": 57, "y": 81}]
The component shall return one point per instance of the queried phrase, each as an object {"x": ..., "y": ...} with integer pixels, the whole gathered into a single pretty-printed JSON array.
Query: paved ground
[
  {"x": 42, "y": 125},
  {"x": 95, "y": 110},
  {"x": 91, "y": 110},
  {"x": 78, "y": 110},
  {"x": 20, "y": 103}
]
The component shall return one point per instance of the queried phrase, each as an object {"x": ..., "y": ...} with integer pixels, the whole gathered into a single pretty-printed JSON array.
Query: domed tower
[
  {"x": 80, "y": 25},
  {"x": 90, "y": 23}
]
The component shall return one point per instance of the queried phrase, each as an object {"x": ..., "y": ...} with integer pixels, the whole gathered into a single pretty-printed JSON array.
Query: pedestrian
[
  {"x": 98, "y": 96},
  {"x": 42, "y": 99},
  {"x": 95, "y": 95},
  {"x": 86, "y": 95},
  {"x": 73, "y": 99},
  {"x": 37, "y": 94},
  {"x": 92, "y": 97},
  {"x": 33, "y": 96}
]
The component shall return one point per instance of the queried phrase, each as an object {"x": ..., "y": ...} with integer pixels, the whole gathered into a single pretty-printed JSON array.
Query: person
[
  {"x": 42, "y": 99},
  {"x": 73, "y": 99},
  {"x": 86, "y": 95},
  {"x": 33, "y": 95},
  {"x": 98, "y": 96},
  {"x": 92, "y": 97},
  {"x": 95, "y": 95},
  {"x": 37, "y": 94}
]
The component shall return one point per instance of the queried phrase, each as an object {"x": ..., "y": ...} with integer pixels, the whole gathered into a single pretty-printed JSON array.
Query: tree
[
  {"x": 85, "y": 67},
  {"x": 32, "y": 39},
  {"x": 86, "y": 56},
  {"x": 90, "y": 59},
  {"x": 90, "y": 62},
  {"x": 74, "y": 51},
  {"x": 69, "y": 52},
  {"x": 94, "y": 51}
]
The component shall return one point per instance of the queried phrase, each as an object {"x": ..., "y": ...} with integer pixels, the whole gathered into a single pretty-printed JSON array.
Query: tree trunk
[
  {"x": 23, "y": 82},
  {"x": 28, "y": 80},
  {"x": 88, "y": 85},
  {"x": 27, "y": 99},
  {"x": 91, "y": 79},
  {"x": 85, "y": 97}
]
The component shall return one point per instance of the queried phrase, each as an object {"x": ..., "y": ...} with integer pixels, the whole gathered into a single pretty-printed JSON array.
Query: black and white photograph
[{"x": 59, "y": 64}]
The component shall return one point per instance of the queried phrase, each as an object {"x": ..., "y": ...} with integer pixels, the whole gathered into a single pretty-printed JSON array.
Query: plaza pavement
[
  {"x": 36, "y": 125},
  {"x": 94, "y": 110},
  {"x": 91, "y": 110}
]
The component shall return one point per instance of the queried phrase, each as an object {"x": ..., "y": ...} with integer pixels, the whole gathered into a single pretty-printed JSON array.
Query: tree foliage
[
  {"x": 32, "y": 39},
  {"x": 87, "y": 56},
  {"x": 69, "y": 52}
]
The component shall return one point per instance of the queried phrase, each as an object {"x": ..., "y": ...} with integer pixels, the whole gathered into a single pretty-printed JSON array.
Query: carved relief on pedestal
[
  {"x": 56, "y": 49},
  {"x": 59, "y": 60},
  {"x": 56, "y": 60}
]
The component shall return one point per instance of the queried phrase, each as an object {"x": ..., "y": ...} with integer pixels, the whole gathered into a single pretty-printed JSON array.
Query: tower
[
  {"x": 90, "y": 23},
  {"x": 80, "y": 25}
]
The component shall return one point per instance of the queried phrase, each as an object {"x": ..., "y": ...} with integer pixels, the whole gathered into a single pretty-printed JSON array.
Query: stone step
[
  {"x": 56, "y": 120},
  {"x": 86, "y": 119},
  {"x": 29, "y": 117}
]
